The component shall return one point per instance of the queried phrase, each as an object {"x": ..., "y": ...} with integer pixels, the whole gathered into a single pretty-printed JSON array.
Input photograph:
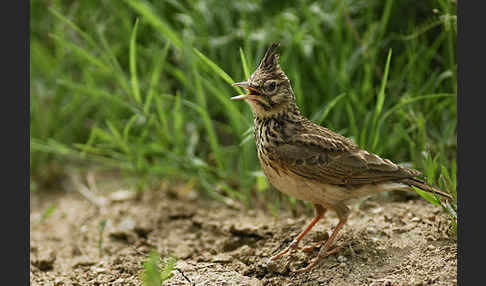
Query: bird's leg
[
  {"x": 342, "y": 212},
  {"x": 324, "y": 252},
  {"x": 320, "y": 211}
]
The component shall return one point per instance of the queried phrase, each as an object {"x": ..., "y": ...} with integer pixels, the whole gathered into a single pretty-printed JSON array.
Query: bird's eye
[{"x": 271, "y": 86}]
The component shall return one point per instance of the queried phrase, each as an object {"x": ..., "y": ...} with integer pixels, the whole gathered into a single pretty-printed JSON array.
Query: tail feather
[{"x": 425, "y": 187}]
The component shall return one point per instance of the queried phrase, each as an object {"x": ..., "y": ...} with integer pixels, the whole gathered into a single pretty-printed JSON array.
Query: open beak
[{"x": 253, "y": 93}]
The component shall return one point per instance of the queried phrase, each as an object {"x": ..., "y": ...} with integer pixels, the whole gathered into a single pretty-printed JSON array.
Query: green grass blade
[
  {"x": 244, "y": 62},
  {"x": 412, "y": 100},
  {"x": 213, "y": 139},
  {"x": 215, "y": 67},
  {"x": 329, "y": 107},
  {"x": 112, "y": 98},
  {"x": 237, "y": 119},
  {"x": 178, "y": 124},
  {"x": 380, "y": 102},
  {"x": 118, "y": 71},
  {"x": 154, "y": 80},
  {"x": 427, "y": 196},
  {"x": 73, "y": 26},
  {"x": 82, "y": 53},
  {"x": 385, "y": 17},
  {"x": 381, "y": 94},
  {"x": 117, "y": 137},
  {"x": 133, "y": 64},
  {"x": 150, "y": 16},
  {"x": 128, "y": 126}
]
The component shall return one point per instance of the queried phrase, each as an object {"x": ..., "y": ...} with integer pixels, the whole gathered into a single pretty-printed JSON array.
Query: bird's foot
[
  {"x": 312, "y": 246},
  {"x": 318, "y": 260},
  {"x": 293, "y": 246}
]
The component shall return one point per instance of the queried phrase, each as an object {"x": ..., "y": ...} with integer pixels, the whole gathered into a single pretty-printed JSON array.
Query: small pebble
[
  {"x": 99, "y": 270},
  {"x": 377, "y": 210},
  {"x": 342, "y": 259},
  {"x": 122, "y": 195},
  {"x": 371, "y": 229},
  {"x": 119, "y": 282},
  {"x": 222, "y": 257}
]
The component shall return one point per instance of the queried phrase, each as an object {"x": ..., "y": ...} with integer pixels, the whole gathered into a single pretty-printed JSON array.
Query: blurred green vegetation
[{"x": 145, "y": 86}]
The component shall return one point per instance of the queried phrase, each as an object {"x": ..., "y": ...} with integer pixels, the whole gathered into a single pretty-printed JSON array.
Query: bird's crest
[{"x": 270, "y": 59}]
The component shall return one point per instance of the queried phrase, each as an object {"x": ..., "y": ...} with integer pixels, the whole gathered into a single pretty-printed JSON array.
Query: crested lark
[{"x": 312, "y": 163}]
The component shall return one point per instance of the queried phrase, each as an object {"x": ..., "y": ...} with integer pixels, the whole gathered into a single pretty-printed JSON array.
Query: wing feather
[{"x": 335, "y": 160}]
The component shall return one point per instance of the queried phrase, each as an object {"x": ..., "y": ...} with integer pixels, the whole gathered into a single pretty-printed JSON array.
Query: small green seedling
[
  {"x": 450, "y": 209},
  {"x": 153, "y": 275},
  {"x": 48, "y": 212},
  {"x": 100, "y": 239}
]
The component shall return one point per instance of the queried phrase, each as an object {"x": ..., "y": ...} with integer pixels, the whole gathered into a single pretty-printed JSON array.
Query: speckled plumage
[{"x": 310, "y": 162}]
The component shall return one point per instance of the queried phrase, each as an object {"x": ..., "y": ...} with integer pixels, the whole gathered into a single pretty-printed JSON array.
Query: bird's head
[{"x": 269, "y": 90}]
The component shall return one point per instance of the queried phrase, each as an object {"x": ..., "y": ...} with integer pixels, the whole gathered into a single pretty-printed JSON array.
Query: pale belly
[
  {"x": 298, "y": 188},
  {"x": 321, "y": 192}
]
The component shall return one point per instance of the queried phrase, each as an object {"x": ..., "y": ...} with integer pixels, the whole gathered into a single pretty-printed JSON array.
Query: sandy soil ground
[{"x": 387, "y": 241}]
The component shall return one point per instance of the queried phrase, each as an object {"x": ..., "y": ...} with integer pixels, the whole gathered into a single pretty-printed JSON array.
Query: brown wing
[{"x": 336, "y": 160}]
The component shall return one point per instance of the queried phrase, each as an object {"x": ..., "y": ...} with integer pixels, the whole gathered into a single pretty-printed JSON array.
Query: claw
[
  {"x": 312, "y": 247},
  {"x": 305, "y": 269},
  {"x": 293, "y": 246},
  {"x": 318, "y": 260}
]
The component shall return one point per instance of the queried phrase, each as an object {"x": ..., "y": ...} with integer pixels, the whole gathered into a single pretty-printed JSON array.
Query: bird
[{"x": 309, "y": 162}]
